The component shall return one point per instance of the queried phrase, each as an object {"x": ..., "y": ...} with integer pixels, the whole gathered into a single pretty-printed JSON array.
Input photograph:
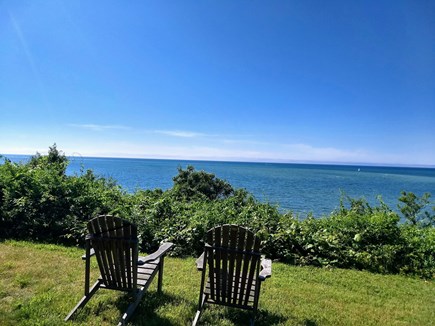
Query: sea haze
[{"x": 301, "y": 188}]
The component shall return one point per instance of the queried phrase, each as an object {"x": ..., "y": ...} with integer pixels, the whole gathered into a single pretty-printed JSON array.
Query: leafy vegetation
[
  {"x": 192, "y": 185},
  {"x": 413, "y": 209},
  {"x": 39, "y": 201}
]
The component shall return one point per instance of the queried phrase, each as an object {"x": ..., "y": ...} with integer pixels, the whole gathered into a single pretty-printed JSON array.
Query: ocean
[{"x": 301, "y": 188}]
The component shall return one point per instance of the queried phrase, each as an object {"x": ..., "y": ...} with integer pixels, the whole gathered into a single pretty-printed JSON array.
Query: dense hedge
[{"x": 39, "y": 201}]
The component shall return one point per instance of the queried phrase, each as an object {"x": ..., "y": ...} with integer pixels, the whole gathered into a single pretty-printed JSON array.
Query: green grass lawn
[{"x": 40, "y": 284}]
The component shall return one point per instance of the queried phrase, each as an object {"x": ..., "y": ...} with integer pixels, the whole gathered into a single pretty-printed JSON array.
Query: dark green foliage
[
  {"x": 191, "y": 184},
  {"x": 54, "y": 160},
  {"x": 360, "y": 237},
  {"x": 163, "y": 216},
  {"x": 345, "y": 239},
  {"x": 39, "y": 201},
  {"x": 413, "y": 209}
]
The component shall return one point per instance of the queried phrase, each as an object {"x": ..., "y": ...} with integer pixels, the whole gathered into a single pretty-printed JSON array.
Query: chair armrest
[
  {"x": 200, "y": 262},
  {"x": 163, "y": 249},
  {"x": 90, "y": 255},
  {"x": 266, "y": 269}
]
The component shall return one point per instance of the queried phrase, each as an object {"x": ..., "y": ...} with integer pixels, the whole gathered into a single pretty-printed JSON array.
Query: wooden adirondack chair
[
  {"x": 114, "y": 243},
  {"x": 235, "y": 269}
]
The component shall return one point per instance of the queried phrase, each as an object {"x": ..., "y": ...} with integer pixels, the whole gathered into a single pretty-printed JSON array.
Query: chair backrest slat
[
  {"x": 118, "y": 251},
  {"x": 210, "y": 262},
  {"x": 232, "y": 259},
  {"x": 239, "y": 262},
  {"x": 115, "y": 243},
  {"x": 126, "y": 232},
  {"x": 94, "y": 228},
  {"x": 253, "y": 269},
  {"x": 246, "y": 261},
  {"x": 224, "y": 259},
  {"x": 217, "y": 263},
  {"x": 109, "y": 226}
]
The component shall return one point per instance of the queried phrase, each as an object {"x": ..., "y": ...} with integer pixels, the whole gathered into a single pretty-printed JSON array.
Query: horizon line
[{"x": 241, "y": 160}]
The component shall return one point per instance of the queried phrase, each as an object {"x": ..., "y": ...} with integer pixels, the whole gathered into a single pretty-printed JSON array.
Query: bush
[
  {"x": 361, "y": 237},
  {"x": 191, "y": 184},
  {"x": 418, "y": 254},
  {"x": 38, "y": 201}
]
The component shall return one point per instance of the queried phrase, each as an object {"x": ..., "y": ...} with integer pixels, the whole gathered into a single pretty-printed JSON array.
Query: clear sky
[{"x": 287, "y": 81}]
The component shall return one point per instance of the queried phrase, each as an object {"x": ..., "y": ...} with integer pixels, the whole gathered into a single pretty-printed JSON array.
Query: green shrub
[
  {"x": 39, "y": 201},
  {"x": 418, "y": 251},
  {"x": 191, "y": 184},
  {"x": 360, "y": 237},
  {"x": 414, "y": 209}
]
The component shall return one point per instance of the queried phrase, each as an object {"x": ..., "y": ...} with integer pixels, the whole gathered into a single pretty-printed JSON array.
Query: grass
[{"x": 40, "y": 284}]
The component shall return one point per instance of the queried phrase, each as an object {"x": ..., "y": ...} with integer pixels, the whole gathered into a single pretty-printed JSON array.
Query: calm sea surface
[{"x": 302, "y": 188}]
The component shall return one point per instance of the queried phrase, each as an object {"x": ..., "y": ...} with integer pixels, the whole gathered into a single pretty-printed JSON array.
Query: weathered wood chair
[
  {"x": 114, "y": 243},
  {"x": 235, "y": 269}
]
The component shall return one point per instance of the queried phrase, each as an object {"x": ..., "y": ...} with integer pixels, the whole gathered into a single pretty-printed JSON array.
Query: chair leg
[
  {"x": 252, "y": 321},
  {"x": 160, "y": 280},
  {"x": 132, "y": 307},
  {"x": 257, "y": 296},
  {"x": 195, "y": 321},
  {"x": 84, "y": 300},
  {"x": 199, "y": 311}
]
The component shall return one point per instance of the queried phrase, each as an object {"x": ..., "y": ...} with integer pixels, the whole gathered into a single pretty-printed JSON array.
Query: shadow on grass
[
  {"x": 145, "y": 313},
  {"x": 240, "y": 317},
  {"x": 149, "y": 312}
]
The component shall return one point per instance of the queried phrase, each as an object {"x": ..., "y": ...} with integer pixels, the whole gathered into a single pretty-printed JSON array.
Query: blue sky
[{"x": 281, "y": 81}]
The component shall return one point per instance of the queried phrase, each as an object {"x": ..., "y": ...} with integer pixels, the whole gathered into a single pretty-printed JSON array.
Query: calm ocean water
[{"x": 302, "y": 188}]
